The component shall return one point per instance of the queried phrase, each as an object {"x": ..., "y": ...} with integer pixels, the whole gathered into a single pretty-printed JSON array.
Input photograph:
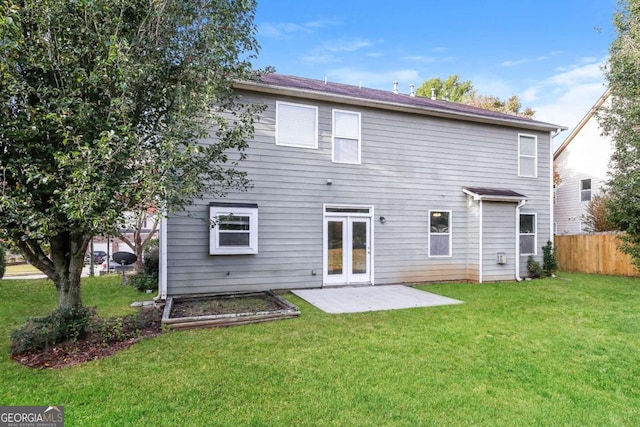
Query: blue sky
[{"x": 548, "y": 52}]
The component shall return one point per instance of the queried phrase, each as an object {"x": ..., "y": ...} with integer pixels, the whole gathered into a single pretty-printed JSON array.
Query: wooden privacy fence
[{"x": 593, "y": 253}]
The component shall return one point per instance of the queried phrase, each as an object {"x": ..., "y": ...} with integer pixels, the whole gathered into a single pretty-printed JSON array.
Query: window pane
[
  {"x": 233, "y": 223},
  {"x": 585, "y": 195},
  {"x": 346, "y": 125},
  {"x": 527, "y": 224},
  {"x": 527, "y": 166},
  {"x": 359, "y": 248},
  {"x": 439, "y": 222},
  {"x": 348, "y": 210},
  {"x": 585, "y": 184},
  {"x": 527, "y": 244},
  {"x": 233, "y": 239},
  {"x": 439, "y": 245},
  {"x": 527, "y": 146},
  {"x": 345, "y": 150},
  {"x": 334, "y": 242},
  {"x": 296, "y": 125}
]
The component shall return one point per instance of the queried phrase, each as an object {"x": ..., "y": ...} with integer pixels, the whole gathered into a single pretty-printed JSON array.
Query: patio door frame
[{"x": 347, "y": 214}]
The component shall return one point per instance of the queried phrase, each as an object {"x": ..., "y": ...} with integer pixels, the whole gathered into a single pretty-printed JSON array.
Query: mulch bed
[
  {"x": 215, "y": 306},
  {"x": 92, "y": 347}
]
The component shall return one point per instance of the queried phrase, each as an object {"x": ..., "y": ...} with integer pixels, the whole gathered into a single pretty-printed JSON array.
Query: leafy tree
[
  {"x": 596, "y": 216},
  {"x": 135, "y": 222},
  {"x": 621, "y": 121},
  {"x": 102, "y": 104},
  {"x": 510, "y": 106},
  {"x": 464, "y": 92},
  {"x": 452, "y": 88},
  {"x": 3, "y": 260}
]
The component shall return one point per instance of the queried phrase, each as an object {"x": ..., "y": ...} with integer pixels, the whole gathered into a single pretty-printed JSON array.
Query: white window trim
[
  {"x": 534, "y": 234},
  {"x": 334, "y": 136},
  {"x": 580, "y": 190},
  {"x": 222, "y": 209},
  {"x": 450, "y": 233},
  {"x": 535, "y": 158},
  {"x": 315, "y": 146}
]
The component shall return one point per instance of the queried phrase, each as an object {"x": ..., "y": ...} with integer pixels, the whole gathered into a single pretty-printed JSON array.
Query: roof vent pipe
[
  {"x": 411, "y": 91},
  {"x": 433, "y": 93},
  {"x": 395, "y": 87}
]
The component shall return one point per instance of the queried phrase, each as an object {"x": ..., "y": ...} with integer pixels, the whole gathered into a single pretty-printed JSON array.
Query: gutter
[{"x": 517, "y": 262}]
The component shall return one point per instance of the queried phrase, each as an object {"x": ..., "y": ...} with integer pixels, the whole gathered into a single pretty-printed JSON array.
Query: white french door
[{"x": 347, "y": 247}]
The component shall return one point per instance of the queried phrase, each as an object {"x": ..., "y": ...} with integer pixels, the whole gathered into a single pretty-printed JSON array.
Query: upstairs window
[
  {"x": 296, "y": 125},
  {"x": 528, "y": 234},
  {"x": 234, "y": 228},
  {"x": 585, "y": 190},
  {"x": 527, "y": 156},
  {"x": 439, "y": 233},
  {"x": 346, "y": 137}
]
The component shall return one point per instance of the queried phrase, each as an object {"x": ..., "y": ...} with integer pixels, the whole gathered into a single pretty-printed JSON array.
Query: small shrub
[
  {"x": 533, "y": 267},
  {"x": 117, "y": 329},
  {"x": 61, "y": 325},
  {"x": 549, "y": 260},
  {"x": 147, "y": 279},
  {"x": 109, "y": 330},
  {"x": 151, "y": 263},
  {"x": 143, "y": 282}
]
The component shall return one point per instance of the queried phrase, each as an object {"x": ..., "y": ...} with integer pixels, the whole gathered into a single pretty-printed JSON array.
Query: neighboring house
[
  {"x": 582, "y": 162},
  {"x": 355, "y": 186}
]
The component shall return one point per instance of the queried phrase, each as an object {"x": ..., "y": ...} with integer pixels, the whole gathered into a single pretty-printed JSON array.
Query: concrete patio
[{"x": 371, "y": 298}]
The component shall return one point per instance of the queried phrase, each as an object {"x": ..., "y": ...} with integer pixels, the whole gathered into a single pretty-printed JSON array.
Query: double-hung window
[
  {"x": 439, "y": 233},
  {"x": 585, "y": 190},
  {"x": 527, "y": 156},
  {"x": 296, "y": 125},
  {"x": 528, "y": 234},
  {"x": 346, "y": 137},
  {"x": 234, "y": 228}
]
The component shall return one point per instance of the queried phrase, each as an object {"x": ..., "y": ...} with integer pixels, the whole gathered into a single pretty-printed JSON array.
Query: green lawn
[{"x": 562, "y": 351}]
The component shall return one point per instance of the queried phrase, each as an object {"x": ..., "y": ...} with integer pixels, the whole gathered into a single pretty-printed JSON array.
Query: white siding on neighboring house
[{"x": 583, "y": 156}]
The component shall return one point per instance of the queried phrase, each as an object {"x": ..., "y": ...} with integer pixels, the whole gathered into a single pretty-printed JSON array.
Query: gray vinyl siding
[
  {"x": 499, "y": 235},
  {"x": 410, "y": 164}
]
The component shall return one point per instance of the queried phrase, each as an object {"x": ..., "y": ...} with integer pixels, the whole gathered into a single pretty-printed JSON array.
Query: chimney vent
[
  {"x": 395, "y": 87},
  {"x": 411, "y": 90},
  {"x": 433, "y": 93}
]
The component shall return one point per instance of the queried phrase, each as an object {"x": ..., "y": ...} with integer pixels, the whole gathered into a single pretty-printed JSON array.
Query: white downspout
[
  {"x": 162, "y": 280},
  {"x": 517, "y": 261},
  {"x": 480, "y": 269}
]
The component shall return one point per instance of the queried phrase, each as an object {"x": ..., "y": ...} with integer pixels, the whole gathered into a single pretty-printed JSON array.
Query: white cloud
[
  {"x": 329, "y": 51},
  {"x": 569, "y": 108},
  {"x": 284, "y": 30},
  {"x": 565, "y": 97},
  {"x": 419, "y": 58},
  {"x": 578, "y": 74},
  {"x": 346, "y": 45},
  {"x": 540, "y": 58}
]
